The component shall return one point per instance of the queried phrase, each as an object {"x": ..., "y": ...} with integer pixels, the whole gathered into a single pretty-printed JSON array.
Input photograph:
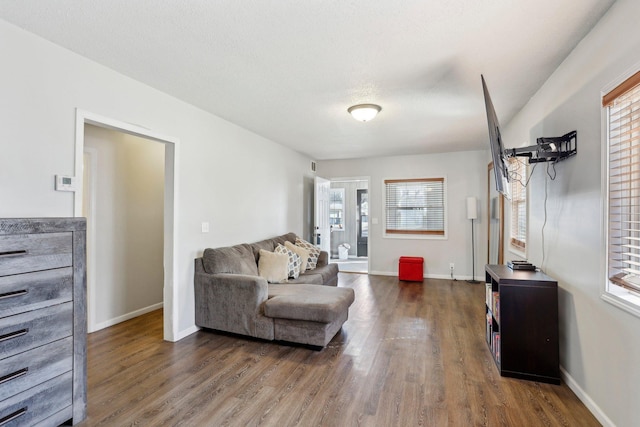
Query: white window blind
[
  {"x": 415, "y": 206},
  {"x": 623, "y": 113},
  {"x": 518, "y": 204}
]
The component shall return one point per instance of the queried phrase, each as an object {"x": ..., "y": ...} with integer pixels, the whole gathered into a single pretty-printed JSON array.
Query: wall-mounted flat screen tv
[{"x": 495, "y": 142}]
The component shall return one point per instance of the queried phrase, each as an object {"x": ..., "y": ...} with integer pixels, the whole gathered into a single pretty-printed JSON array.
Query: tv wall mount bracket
[{"x": 553, "y": 149}]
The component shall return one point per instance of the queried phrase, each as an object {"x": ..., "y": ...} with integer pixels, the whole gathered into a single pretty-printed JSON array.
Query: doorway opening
[
  {"x": 349, "y": 220},
  {"x": 123, "y": 195},
  {"x": 82, "y": 204}
]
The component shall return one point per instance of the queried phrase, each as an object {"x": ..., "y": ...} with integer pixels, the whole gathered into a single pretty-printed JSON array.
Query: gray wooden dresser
[{"x": 43, "y": 321}]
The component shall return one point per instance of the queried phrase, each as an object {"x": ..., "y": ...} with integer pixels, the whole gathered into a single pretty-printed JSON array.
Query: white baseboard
[
  {"x": 426, "y": 276},
  {"x": 186, "y": 332},
  {"x": 586, "y": 399},
  {"x": 382, "y": 273},
  {"x": 125, "y": 317}
]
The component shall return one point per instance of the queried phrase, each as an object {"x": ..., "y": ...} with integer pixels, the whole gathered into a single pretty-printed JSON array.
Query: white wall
[
  {"x": 127, "y": 238},
  {"x": 246, "y": 186},
  {"x": 600, "y": 344},
  {"x": 466, "y": 175}
]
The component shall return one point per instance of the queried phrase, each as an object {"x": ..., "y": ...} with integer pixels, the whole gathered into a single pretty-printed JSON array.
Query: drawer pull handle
[
  {"x": 12, "y": 335},
  {"x": 17, "y": 374},
  {"x": 13, "y": 294},
  {"x": 7, "y": 254},
  {"x": 13, "y": 416}
]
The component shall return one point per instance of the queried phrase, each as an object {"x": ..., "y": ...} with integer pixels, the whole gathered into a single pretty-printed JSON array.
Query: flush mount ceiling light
[{"x": 364, "y": 112}]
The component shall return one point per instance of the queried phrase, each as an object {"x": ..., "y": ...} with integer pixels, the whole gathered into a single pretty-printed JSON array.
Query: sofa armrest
[
  {"x": 323, "y": 259},
  {"x": 231, "y": 303}
]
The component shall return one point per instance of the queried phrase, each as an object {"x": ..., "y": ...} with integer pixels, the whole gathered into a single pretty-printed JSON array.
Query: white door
[{"x": 322, "y": 229}]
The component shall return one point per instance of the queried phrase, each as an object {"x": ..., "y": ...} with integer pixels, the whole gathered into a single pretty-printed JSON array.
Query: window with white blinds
[
  {"x": 518, "y": 174},
  {"x": 623, "y": 134},
  {"x": 415, "y": 206}
]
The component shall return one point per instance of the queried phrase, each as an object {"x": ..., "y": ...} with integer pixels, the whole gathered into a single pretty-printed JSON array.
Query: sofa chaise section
[{"x": 308, "y": 314}]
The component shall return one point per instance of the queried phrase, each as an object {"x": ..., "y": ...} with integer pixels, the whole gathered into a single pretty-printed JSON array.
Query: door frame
[
  {"x": 91, "y": 184},
  {"x": 370, "y": 195},
  {"x": 170, "y": 296},
  {"x": 359, "y": 193},
  {"x": 495, "y": 214},
  {"x": 321, "y": 201}
]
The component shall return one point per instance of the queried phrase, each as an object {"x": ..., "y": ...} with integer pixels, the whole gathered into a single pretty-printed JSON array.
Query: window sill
[
  {"x": 622, "y": 299},
  {"x": 415, "y": 236},
  {"x": 517, "y": 252}
]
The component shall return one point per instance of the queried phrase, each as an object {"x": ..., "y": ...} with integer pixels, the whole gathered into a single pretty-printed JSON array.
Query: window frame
[
  {"x": 613, "y": 293},
  {"x": 342, "y": 210},
  {"x": 519, "y": 173},
  {"x": 422, "y": 234}
]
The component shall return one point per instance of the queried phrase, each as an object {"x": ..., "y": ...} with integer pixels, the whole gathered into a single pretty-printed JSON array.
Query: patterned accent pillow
[
  {"x": 314, "y": 252},
  {"x": 293, "y": 266},
  {"x": 304, "y": 255}
]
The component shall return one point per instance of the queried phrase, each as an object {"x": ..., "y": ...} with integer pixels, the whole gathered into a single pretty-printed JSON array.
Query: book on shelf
[
  {"x": 495, "y": 306},
  {"x": 489, "y": 328},
  {"x": 488, "y": 294},
  {"x": 495, "y": 346}
]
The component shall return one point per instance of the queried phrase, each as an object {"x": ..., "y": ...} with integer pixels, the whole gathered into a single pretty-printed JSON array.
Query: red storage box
[{"x": 411, "y": 268}]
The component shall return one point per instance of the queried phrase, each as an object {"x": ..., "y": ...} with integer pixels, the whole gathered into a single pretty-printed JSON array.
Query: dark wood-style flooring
[{"x": 411, "y": 354}]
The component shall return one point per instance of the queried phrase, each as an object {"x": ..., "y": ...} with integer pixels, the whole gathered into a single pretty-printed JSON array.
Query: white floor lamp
[{"x": 472, "y": 214}]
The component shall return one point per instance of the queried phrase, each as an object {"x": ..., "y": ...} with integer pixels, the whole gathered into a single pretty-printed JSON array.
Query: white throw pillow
[
  {"x": 273, "y": 267},
  {"x": 302, "y": 252},
  {"x": 314, "y": 252},
  {"x": 293, "y": 265}
]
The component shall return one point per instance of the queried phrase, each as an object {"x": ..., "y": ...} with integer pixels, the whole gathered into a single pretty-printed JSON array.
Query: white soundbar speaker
[{"x": 472, "y": 208}]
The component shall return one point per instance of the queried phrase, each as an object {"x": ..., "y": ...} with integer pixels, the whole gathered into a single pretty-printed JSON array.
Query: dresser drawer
[
  {"x": 37, "y": 403},
  {"x": 25, "y": 370},
  {"x": 22, "y": 253},
  {"x": 31, "y": 291},
  {"x": 32, "y": 329}
]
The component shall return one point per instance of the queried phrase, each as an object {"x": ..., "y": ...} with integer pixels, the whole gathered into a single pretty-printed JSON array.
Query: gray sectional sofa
[{"x": 230, "y": 296}]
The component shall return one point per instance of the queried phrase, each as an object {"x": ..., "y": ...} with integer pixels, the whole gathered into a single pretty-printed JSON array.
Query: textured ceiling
[{"x": 289, "y": 69}]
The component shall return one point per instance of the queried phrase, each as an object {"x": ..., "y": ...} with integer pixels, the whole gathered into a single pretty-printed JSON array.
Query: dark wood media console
[{"x": 522, "y": 323}]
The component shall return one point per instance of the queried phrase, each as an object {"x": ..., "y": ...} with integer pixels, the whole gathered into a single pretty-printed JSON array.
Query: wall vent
[{"x": 313, "y": 166}]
